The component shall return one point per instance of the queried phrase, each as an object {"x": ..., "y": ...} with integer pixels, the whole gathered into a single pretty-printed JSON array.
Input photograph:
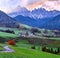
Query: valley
[
  {"x": 25, "y": 43},
  {"x": 34, "y": 34}
]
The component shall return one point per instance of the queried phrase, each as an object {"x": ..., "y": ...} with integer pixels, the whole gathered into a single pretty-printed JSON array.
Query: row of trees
[
  {"x": 41, "y": 42},
  {"x": 8, "y": 31},
  {"x": 51, "y": 50}
]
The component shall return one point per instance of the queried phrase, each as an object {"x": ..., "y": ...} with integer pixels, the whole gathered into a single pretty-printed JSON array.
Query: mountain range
[
  {"x": 48, "y": 20},
  {"x": 40, "y": 18},
  {"x": 47, "y": 23},
  {"x": 39, "y": 13}
]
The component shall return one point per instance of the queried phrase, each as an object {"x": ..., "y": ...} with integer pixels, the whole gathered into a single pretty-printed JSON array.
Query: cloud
[
  {"x": 52, "y": 5},
  {"x": 36, "y": 4},
  {"x": 24, "y": 3},
  {"x": 32, "y": 1},
  {"x": 9, "y": 5},
  {"x": 47, "y": 4},
  {"x": 53, "y": 0}
]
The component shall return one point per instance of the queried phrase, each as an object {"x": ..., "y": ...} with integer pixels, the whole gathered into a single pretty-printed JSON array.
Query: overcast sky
[{"x": 9, "y": 5}]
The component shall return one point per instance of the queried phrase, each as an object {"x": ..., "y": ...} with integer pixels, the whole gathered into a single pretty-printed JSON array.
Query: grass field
[
  {"x": 27, "y": 53},
  {"x": 3, "y": 34},
  {"x": 23, "y": 48}
]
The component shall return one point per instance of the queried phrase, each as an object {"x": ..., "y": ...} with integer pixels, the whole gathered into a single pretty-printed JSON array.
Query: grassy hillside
[
  {"x": 23, "y": 48},
  {"x": 14, "y": 29},
  {"x": 3, "y": 34},
  {"x": 27, "y": 53}
]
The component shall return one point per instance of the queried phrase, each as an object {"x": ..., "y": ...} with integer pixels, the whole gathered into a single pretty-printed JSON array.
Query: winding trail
[{"x": 7, "y": 49}]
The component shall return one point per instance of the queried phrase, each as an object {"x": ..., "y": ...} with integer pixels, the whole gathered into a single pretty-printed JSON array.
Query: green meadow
[
  {"x": 26, "y": 52},
  {"x": 23, "y": 48}
]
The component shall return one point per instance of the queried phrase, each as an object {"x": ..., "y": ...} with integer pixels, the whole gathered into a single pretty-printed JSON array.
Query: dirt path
[{"x": 7, "y": 49}]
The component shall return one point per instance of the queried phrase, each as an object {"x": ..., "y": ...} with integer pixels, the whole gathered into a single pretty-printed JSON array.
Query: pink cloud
[{"x": 48, "y": 4}]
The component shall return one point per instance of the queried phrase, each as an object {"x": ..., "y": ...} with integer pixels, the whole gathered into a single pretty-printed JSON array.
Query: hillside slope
[
  {"x": 27, "y": 53},
  {"x": 6, "y": 21}
]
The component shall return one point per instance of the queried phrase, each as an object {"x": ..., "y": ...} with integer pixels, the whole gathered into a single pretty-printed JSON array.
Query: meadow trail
[{"x": 7, "y": 49}]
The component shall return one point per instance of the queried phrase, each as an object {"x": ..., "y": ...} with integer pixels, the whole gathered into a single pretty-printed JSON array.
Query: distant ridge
[
  {"x": 6, "y": 21},
  {"x": 54, "y": 23}
]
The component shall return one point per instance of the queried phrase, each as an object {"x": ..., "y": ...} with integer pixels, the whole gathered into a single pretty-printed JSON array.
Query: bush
[
  {"x": 11, "y": 42},
  {"x": 10, "y": 31},
  {"x": 33, "y": 47}
]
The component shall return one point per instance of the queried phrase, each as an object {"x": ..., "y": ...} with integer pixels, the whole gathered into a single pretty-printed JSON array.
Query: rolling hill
[{"x": 6, "y": 21}]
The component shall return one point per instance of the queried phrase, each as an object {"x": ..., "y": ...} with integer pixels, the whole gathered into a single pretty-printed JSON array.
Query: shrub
[{"x": 11, "y": 42}]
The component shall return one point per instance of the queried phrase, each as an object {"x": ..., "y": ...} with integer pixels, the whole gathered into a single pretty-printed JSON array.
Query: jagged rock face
[{"x": 35, "y": 14}]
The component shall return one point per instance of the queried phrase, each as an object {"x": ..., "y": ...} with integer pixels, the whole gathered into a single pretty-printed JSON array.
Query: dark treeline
[
  {"x": 8, "y": 31},
  {"x": 51, "y": 50}
]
